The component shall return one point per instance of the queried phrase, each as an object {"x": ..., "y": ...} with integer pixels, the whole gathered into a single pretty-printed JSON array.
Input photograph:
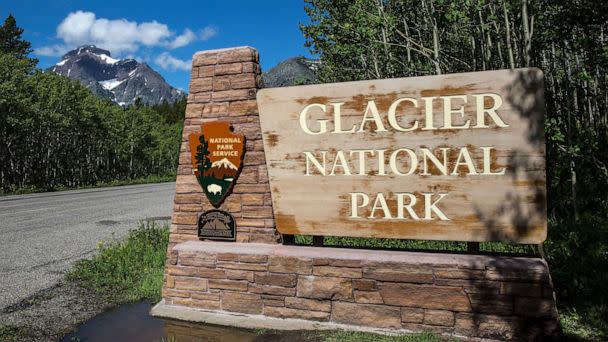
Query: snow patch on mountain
[
  {"x": 111, "y": 84},
  {"x": 108, "y": 59}
]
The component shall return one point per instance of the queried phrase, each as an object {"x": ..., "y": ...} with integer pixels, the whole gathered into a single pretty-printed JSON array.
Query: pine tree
[
  {"x": 10, "y": 39},
  {"x": 202, "y": 152}
]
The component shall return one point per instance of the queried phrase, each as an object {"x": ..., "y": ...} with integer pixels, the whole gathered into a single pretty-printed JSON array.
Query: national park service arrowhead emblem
[{"x": 217, "y": 158}]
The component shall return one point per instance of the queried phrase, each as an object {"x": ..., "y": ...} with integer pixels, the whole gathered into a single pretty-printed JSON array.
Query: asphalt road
[{"x": 41, "y": 235}]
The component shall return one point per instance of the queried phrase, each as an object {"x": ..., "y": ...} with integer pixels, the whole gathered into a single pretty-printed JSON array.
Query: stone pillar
[{"x": 223, "y": 86}]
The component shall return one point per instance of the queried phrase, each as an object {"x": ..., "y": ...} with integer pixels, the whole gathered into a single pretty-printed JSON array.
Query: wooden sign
[
  {"x": 450, "y": 157},
  {"x": 217, "y": 155}
]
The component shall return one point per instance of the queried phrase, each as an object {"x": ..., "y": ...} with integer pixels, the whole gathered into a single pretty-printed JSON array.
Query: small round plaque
[{"x": 216, "y": 225}]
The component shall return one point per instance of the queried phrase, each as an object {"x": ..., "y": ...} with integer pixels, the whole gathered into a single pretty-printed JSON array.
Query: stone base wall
[{"x": 470, "y": 295}]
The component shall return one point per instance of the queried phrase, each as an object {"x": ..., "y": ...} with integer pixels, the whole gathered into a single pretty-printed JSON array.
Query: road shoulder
[{"x": 51, "y": 313}]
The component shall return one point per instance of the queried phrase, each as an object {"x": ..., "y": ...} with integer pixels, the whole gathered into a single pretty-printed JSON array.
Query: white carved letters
[
  {"x": 403, "y": 115},
  {"x": 314, "y": 120},
  {"x": 362, "y": 207}
]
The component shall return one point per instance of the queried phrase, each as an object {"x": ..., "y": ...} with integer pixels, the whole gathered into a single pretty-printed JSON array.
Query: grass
[
  {"x": 348, "y": 336},
  {"x": 119, "y": 182},
  {"x": 353, "y": 336},
  {"x": 128, "y": 270},
  {"x": 9, "y": 333},
  {"x": 585, "y": 322},
  {"x": 425, "y": 245}
]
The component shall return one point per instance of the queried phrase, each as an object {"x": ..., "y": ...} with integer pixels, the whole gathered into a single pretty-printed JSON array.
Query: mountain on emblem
[
  {"x": 217, "y": 156},
  {"x": 224, "y": 163}
]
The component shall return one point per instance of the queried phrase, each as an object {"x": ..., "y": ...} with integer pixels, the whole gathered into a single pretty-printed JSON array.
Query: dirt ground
[{"x": 50, "y": 314}]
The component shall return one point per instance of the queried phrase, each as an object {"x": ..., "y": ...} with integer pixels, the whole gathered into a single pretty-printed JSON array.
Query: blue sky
[{"x": 163, "y": 34}]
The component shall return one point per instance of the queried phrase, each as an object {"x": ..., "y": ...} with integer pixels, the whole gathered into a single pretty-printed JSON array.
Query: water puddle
[{"x": 133, "y": 323}]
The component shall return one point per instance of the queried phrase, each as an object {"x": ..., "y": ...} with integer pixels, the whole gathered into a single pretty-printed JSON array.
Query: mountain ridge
[
  {"x": 292, "y": 71},
  {"x": 121, "y": 80}
]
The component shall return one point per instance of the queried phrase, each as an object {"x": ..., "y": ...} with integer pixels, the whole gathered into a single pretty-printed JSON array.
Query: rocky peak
[
  {"x": 121, "y": 80},
  {"x": 90, "y": 50},
  {"x": 292, "y": 71}
]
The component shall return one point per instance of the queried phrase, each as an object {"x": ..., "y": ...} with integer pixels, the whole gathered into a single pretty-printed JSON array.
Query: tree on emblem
[{"x": 202, "y": 152}]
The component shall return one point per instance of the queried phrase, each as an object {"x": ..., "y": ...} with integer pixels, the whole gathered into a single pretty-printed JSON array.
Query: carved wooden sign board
[{"x": 450, "y": 157}]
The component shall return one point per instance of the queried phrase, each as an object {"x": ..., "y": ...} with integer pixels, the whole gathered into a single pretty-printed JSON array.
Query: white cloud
[
  {"x": 76, "y": 27},
  {"x": 208, "y": 32},
  {"x": 168, "y": 62},
  {"x": 52, "y": 50},
  {"x": 153, "y": 33},
  {"x": 119, "y": 36},
  {"x": 182, "y": 40}
]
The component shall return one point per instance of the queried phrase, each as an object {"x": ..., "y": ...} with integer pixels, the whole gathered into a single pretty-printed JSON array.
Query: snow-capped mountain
[
  {"x": 122, "y": 81},
  {"x": 225, "y": 163}
]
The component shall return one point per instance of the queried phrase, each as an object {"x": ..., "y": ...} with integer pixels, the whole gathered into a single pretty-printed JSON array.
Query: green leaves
[
  {"x": 578, "y": 253},
  {"x": 10, "y": 39},
  {"x": 128, "y": 270},
  {"x": 553, "y": 132},
  {"x": 54, "y": 133}
]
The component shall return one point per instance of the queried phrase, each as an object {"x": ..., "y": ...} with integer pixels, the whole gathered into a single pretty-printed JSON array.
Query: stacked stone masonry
[
  {"x": 223, "y": 86},
  {"x": 481, "y": 296}
]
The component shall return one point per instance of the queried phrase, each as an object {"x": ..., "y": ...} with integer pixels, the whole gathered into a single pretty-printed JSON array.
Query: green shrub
[
  {"x": 10, "y": 333},
  {"x": 585, "y": 321},
  {"x": 450, "y": 246},
  {"x": 127, "y": 270},
  {"x": 577, "y": 253}
]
